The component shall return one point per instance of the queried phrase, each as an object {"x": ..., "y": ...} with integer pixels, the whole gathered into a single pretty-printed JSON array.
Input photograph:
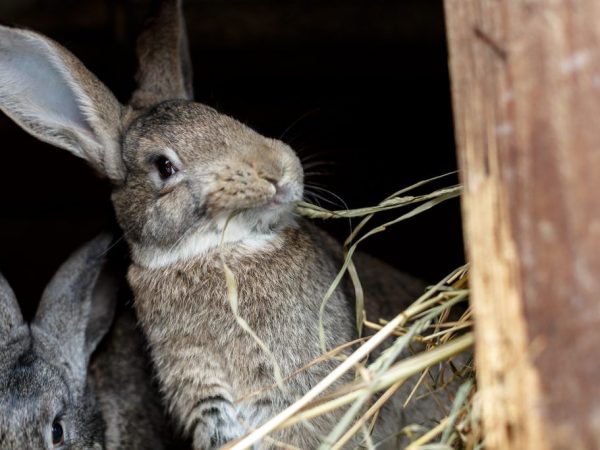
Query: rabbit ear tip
[
  {"x": 104, "y": 238},
  {"x": 101, "y": 243}
]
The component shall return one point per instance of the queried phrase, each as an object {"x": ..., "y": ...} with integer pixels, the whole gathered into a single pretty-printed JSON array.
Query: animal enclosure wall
[{"x": 525, "y": 81}]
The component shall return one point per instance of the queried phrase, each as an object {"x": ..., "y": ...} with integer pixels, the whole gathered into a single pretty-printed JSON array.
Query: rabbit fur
[
  {"x": 193, "y": 190},
  {"x": 45, "y": 378}
]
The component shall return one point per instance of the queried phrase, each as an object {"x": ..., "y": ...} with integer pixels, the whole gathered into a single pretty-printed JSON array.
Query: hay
[{"x": 425, "y": 323}]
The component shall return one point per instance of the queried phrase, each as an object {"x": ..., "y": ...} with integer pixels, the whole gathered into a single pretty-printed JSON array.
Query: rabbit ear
[
  {"x": 102, "y": 311},
  {"x": 165, "y": 69},
  {"x": 77, "y": 306},
  {"x": 51, "y": 95},
  {"x": 10, "y": 313}
]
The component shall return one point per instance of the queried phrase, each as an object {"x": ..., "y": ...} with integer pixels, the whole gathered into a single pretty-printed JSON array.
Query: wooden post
[{"x": 526, "y": 92}]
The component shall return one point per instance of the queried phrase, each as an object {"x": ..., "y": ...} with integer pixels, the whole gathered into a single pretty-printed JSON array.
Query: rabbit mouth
[{"x": 285, "y": 196}]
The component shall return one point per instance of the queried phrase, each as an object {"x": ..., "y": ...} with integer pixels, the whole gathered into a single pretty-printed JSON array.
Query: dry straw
[{"x": 425, "y": 325}]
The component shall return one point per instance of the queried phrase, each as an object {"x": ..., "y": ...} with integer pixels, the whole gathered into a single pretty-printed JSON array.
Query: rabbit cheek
[
  {"x": 132, "y": 215},
  {"x": 171, "y": 217}
]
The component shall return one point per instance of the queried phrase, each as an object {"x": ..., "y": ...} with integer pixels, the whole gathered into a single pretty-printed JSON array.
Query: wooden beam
[{"x": 526, "y": 93}]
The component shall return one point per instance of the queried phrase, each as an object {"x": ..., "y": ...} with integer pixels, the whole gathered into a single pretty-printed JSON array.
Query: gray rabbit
[
  {"x": 192, "y": 189},
  {"x": 51, "y": 395}
]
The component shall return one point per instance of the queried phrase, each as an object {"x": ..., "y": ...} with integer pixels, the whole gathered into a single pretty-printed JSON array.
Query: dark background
[{"x": 360, "y": 84}]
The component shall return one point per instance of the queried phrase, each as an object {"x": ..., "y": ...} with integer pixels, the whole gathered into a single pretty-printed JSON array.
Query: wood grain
[{"x": 526, "y": 94}]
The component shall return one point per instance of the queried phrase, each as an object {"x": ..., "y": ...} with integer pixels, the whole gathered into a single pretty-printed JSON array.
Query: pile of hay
[{"x": 425, "y": 330}]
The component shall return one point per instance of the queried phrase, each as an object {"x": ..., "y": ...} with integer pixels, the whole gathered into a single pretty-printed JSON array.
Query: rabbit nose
[
  {"x": 267, "y": 163},
  {"x": 268, "y": 172}
]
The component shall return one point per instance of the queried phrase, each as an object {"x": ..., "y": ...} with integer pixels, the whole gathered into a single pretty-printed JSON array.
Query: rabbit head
[
  {"x": 45, "y": 401},
  {"x": 180, "y": 170}
]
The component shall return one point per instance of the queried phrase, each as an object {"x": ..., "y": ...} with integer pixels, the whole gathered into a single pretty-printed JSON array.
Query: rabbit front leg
[
  {"x": 200, "y": 398},
  {"x": 215, "y": 423}
]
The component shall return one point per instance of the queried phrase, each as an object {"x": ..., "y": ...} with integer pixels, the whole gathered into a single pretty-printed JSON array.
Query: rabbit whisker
[
  {"x": 312, "y": 198},
  {"x": 183, "y": 235},
  {"x": 297, "y": 121},
  {"x": 114, "y": 244},
  {"x": 312, "y": 164},
  {"x": 325, "y": 199},
  {"x": 308, "y": 188},
  {"x": 313, "y": 156},
  {"x": 327, "y": 191},
  {"x": 316, "y": 174}
]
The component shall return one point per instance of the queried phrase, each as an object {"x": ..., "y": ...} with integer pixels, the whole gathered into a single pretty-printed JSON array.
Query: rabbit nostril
[{"x": 271, "y": 180}]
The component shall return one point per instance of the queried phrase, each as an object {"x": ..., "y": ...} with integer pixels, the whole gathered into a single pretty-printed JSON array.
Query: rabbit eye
[
  {"x": 165, "y": 167},
  {"x": 58, "y": 435}
]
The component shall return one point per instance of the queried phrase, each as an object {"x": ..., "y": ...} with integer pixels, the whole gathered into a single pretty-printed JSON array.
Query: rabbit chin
[{"x": 250, "y": 230}]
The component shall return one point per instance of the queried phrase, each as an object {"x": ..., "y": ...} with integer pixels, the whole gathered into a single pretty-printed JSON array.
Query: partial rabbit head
[
  {"x": 45, "y": 402},
  {"x": 179, "y": 169}
]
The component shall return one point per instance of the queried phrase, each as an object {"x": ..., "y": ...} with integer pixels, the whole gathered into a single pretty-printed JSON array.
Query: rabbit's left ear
[
  {"x": 50, "y": 94},
  {"x": 78, "y": 305},
  {"x": 10, "y": 313},
  {"x": 165, "y": 68}
]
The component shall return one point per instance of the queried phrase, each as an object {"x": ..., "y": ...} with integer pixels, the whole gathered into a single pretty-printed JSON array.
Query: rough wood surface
[{"x": 526, "y": 92}]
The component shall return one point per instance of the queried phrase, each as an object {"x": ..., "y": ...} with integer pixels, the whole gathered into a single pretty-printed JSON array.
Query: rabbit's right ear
[
  {"x": 165, "y": 68},
  {"x": 10, "y": 313},
  {"x": 50, "y": 94}
]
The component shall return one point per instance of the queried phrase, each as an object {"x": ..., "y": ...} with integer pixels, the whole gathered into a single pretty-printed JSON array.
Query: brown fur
[
  {"x": 231, "y": 184},
  {"x": 165, "y": 71},
  {"x": 200, "y": 350},
  {"x": 129, "y": 401},
  {"x": 75, "y": 366}
]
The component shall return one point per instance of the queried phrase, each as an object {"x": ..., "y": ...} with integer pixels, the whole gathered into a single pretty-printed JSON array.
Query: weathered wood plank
[{"x": 526, "y": 93}]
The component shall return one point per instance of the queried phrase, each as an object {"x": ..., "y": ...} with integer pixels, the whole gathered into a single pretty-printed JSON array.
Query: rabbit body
[
  {"x": 121, "y": 376},
  {"x": 33, "y": 392},
  {"x": 209, "y": 366},
  {"x": 194, "y": 189},
  {"x": 49, "y": 396}
]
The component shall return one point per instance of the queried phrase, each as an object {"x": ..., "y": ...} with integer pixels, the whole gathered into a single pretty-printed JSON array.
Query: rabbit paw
[{"x": 216, "y": 426}]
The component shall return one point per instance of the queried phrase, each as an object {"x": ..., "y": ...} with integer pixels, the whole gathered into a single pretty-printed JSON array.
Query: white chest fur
[{"x": 202, "y": 241}]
